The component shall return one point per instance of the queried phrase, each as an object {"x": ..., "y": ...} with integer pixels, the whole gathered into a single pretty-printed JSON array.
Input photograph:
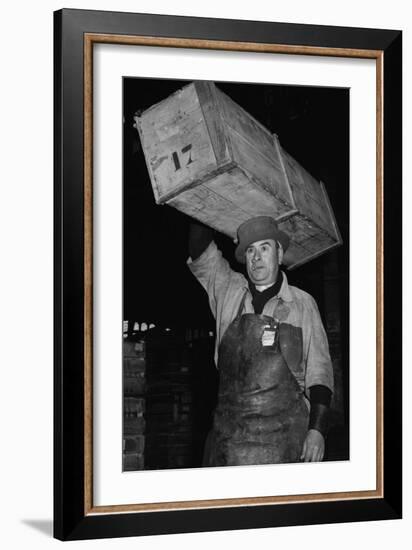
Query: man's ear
[{"x": 280, "y": 253}]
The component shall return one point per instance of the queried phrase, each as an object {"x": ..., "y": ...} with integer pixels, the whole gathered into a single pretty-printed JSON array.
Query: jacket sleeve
[
  {"x": 319, "y": 369},
  {"x": 214, "y": 273}
]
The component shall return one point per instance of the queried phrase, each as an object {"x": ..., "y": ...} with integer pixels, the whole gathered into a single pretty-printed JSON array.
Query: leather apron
[{"x": 261, "y": 416}]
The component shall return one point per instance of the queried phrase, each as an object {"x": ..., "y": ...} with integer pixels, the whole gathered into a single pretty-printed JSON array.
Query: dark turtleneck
[{"x": 259, "y": 299}]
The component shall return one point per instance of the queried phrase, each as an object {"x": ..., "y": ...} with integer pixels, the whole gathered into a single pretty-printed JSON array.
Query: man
[{"x": 275, "y": 372}]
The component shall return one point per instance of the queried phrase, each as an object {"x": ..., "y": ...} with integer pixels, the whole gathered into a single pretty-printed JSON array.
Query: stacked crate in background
[
  {"x": 170, "y": 429},
  {"x": 134, "y": 387},
  {"x": 168, "y": 396}
]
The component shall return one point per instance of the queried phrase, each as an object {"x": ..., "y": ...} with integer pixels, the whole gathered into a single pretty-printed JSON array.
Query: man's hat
[{"x": 258, "y": 229}]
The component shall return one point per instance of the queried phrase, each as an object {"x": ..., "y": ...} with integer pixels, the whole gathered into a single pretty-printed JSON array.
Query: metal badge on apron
[{"x": 270, "y": 334}]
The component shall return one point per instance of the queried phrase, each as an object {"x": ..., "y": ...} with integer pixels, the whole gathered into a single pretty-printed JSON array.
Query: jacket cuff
[
  {"x": 320, "y": 394},
  {"x": 318, "y": 418},
  {"x": 320, "y": 397}
]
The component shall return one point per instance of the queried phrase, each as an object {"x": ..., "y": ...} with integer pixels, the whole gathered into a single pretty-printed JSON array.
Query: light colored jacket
[{"x": 226, "y": 289}]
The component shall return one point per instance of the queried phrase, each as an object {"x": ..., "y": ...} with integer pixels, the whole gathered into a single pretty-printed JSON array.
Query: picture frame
[{"x": 76, "y": 34}]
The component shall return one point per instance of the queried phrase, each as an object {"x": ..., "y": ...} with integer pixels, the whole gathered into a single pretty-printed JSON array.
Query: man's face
[{"x": 262, "y": 262}]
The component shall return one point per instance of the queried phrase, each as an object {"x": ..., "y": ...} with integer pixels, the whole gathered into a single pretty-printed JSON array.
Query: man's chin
[{"x": 258, "y": 281}]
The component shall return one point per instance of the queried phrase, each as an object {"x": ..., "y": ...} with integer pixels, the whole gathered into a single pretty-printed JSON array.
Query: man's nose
[{"x": 256, "y": 255}]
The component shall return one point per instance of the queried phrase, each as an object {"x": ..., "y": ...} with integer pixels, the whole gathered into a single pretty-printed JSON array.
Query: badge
[{"x": 268, "y": 336}]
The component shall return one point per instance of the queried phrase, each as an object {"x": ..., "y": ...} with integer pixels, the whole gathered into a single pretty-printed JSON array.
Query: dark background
[{"x": 312, "y": 124}]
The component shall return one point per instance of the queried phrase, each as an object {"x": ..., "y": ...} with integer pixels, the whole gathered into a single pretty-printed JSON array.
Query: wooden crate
[{"x": 210, "y": 159}]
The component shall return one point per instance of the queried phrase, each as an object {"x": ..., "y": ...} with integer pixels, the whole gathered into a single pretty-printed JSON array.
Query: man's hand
[
  {"x": 200, "y": 236},
  {"x": 313, "y": 447}
]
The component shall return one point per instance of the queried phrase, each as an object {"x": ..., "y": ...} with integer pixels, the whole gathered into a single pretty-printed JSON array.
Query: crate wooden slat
[{"x": 210, "y": 159}]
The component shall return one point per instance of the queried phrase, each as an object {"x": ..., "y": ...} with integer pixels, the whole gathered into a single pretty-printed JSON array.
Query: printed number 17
[{"x": 175, "y": 156}]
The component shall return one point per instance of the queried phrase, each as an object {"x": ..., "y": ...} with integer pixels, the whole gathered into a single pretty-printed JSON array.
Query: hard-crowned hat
[{"x": 258, "y": 229}]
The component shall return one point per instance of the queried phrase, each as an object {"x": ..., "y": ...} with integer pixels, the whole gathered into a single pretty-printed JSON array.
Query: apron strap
[
  {"x": 275, "y": 307},
  {"x": 242, "y": 303}
]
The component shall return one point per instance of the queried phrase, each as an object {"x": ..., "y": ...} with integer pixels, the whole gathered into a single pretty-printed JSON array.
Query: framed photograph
[{"x": 227, "y": 274}]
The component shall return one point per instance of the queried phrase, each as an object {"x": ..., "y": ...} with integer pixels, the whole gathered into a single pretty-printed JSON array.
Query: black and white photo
[{"x": 235, "y": 274}]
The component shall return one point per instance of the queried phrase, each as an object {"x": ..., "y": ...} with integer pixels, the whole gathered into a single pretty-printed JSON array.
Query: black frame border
[{"x": 70, "y": 521}]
